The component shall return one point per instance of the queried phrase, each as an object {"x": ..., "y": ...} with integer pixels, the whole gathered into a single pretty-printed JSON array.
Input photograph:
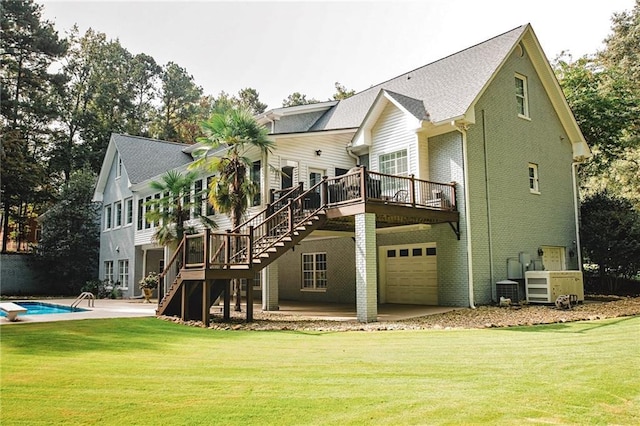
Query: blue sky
[{"x": 286, "y": 46}]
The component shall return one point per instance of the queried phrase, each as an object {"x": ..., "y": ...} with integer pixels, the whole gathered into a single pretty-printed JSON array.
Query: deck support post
[
  {"x": 226, "y": 314},
  {"x": 206, "y": 302},
  {"x": 249, "y": 299},
  {"x": 366, "y": 267},
  {"x": 270, "y": 287}
]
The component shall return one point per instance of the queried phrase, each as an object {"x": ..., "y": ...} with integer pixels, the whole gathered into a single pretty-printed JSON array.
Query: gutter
[
  {"x": 574, "y": 168},
  {"x": 463, "y": 130},
  {"x": 349, "y": 149}
]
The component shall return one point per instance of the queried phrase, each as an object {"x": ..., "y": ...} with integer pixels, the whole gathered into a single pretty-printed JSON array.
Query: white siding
[
  {"x": 302, "y": 150},
  {"x": 391, "y": 134}
]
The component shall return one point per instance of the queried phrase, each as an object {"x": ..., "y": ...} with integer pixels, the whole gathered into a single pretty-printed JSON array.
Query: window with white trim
[
  {"x": 108, "y": 217},
  {"x": 140, "y": 214},
  {"x": 108, "y": 271},
  {"x": 522, "y": 97},
  {"x": 119, "y": 166},
  {"x": 394, "y": 163},
  {"x": 117, "y": 207},
  {"x": 123, "y": 273},
  {"x": 314, "y": 271},
  {"x": 147, "y": 224},
  {"x": 128, "y": 211},
  {"x": 534, "y": 184}
]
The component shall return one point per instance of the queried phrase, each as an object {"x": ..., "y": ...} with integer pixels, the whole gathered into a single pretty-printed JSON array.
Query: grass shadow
[{"x": 574, "y": 327}]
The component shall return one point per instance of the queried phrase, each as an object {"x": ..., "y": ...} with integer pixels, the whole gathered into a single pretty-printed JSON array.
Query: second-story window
[
  {"x": 118, "y": 213},
  {"x": 108, "y": 217},
  {"x": 522, "y": 97},
  {"x": 394, "y": 163},
  {"x": 128, "y": 211}
]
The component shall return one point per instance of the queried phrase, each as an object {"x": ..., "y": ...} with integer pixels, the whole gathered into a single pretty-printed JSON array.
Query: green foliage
[
  {"x": 604, "y": 94},
  {"x": 342, "y": 92},
  {"x": 180, "y": 96},
  {"x": 69, "y": 247},
  {"x": 172, "y": 210},
  {"x": 149, "y": 282},
  {"x": 237, "y": 132},
  {"x": 585, "y": 373},
  {"x": 610, "y": 235},
  {"x": 29, "y": 46},
  {"x": 297, "y": 98}
]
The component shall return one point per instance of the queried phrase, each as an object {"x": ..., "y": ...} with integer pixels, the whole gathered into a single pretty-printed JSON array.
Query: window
[
  {"x": 210, "y": 210},
  {"x": 257, "y": 279},
  {"x": 123, "y": 273},
  {"x": 522, "y": 97},
  {"x": 199, "y": 197},
  {"x": 118, "y": 213},
  {"x": 119, "y": 166},
  {"x": 286, "y": 178},
  {"x": 255, "y": 179},
  {"x": 108, "y": 271},
  {"x": 140, "y": 214},
  {"x": 314, "y": 271},
  {"x": 534, "y": 184},
  {"x": 394, "y": 163},
  {"x": 128, "y": 211},
  {"x": 147, "y": 224},
  {"x": 107, "y": 217}
]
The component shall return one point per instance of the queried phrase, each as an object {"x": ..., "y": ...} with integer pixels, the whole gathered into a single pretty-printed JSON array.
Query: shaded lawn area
[{"x": 147, "y": 371}]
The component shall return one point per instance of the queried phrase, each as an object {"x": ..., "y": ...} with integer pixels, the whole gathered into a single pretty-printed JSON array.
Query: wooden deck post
[
  {"x": 249, "y": 299},
  {"x": 206, "y": 302},
  {"x": 413, "y": 190},
  {"x": 226, "y": 314}
]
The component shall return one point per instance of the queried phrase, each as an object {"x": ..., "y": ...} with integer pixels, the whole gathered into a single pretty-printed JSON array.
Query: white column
[
  {"x": 366, "y": 268},
  {"x": 269, "y": 277}
]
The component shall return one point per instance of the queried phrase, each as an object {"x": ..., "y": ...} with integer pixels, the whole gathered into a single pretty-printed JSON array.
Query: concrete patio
[{"x": 129, "y": 308}]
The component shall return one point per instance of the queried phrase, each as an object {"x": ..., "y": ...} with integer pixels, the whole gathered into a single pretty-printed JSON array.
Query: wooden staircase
[{"x": 210, "y": 261}]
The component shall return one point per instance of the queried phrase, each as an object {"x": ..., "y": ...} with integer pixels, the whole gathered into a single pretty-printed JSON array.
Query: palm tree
[
  {"x": 229, "y": 135},
  {"x": 172, "y": 209}
]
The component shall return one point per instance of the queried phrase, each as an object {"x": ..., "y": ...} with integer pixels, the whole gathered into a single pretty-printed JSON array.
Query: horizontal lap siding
[
  {"x": 390, "y": 134},
  {"x": 302, "y": 150}
]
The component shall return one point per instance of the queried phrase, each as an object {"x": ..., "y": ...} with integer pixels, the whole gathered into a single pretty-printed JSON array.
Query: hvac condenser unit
[{"x": 546, "y": 286}]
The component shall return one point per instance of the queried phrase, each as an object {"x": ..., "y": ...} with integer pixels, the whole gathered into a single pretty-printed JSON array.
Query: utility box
[
  {"x": 509, "y": 290},
  {"x": 546, "y": 286}
]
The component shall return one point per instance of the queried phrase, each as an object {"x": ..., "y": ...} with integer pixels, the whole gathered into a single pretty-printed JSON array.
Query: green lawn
[{"x": 148, "y": 371}]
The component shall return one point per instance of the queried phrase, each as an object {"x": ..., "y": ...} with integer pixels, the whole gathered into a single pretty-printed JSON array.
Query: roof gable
[{"x": 142, "y": 158}]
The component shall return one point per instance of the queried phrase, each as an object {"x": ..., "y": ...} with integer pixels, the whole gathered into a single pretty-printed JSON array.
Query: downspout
[
  {"x": 351, "y": 154},
  {"x": 574, "y": 168},
  {"x": 488, "y": 200},
  {"x": 463, "y": 130}
]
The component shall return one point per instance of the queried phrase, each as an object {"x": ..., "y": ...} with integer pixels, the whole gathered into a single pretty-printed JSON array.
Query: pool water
[{"x": 39, "y": 308}]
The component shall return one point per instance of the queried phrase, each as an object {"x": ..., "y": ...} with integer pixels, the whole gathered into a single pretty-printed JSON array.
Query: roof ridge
[
  {"x": 436, "y": 61},
  {"x": 152, "y": 139}
]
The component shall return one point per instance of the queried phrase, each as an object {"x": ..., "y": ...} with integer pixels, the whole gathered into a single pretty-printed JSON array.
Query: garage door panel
[{"x": 412, "y": 279}]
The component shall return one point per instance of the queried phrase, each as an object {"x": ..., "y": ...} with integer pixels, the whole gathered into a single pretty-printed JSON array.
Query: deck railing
[
  {"x": 294, "y": 207},
  {"x": 363, "y": 185}
]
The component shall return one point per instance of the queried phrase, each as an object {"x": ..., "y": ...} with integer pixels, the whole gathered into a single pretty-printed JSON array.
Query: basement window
[{"x": 314, "y": 272}]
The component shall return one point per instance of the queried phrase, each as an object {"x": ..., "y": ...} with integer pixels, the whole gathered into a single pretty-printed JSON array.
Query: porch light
[
  {"x": 540, "y": 251},
  {"x": 318, "y": 152}
]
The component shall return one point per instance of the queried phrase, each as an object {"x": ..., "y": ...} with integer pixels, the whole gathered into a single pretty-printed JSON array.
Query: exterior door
[
  {"x": 553, "y": 258},
  {"x": 410, "y": 274}
]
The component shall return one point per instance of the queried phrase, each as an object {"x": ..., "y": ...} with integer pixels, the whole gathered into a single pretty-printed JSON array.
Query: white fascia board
[
  {"x": 277, "y": 136},
  {"x": 105, "y": 169}
]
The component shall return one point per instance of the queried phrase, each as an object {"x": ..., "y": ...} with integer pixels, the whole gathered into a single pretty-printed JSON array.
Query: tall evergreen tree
[{"x": 29, "y": 46}]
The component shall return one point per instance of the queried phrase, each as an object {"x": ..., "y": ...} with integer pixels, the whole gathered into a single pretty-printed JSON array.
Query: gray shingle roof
[
  {"x": 145, "y": 158},
  {"x": 414, "y": 106},
  {"x": 447, "y": 87}
]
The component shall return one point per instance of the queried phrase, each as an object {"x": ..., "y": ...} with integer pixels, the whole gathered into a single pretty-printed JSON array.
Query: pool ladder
[{"x": 84, "y": 295}]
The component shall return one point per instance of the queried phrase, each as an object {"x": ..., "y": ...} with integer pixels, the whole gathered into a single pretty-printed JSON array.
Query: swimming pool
[{"x": 39, "y": 308}]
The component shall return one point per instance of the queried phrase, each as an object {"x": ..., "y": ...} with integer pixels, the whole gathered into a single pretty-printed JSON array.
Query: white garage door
[{"x": 411, "y": 274}]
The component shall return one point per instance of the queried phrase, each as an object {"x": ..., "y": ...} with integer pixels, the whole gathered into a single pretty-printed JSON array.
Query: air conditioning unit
[{"x": 546, "y": 286}]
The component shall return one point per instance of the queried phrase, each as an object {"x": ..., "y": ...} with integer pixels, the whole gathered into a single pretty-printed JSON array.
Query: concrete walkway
[{"x": 129, "y": 308}]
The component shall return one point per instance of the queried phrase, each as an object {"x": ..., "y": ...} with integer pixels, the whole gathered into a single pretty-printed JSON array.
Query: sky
[{"x": 281, "y": 47}]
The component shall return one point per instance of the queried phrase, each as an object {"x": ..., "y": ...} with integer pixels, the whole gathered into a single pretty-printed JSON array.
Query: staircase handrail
[
  {"x": 265, "y": 210},
  {"x": 172, "y": 260}
]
